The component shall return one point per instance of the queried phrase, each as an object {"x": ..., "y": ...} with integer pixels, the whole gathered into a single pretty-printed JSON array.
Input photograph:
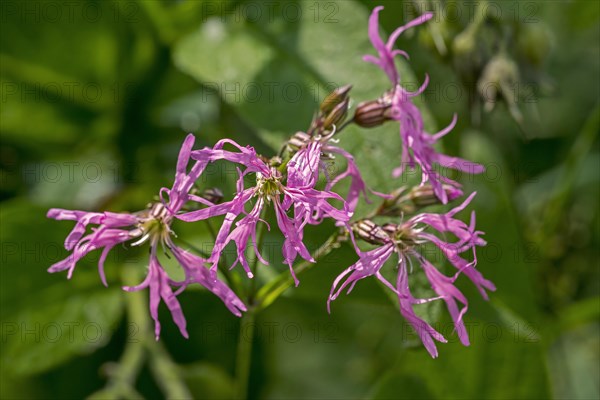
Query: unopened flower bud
[
  {"x": 337, "y": 115},
  {"x": 275, "y": 161},
  {"x": 394, "y": 205},
  {"x": 370, "y": 232},
  {"x": 390, "y": 228},
  {"x": 372, "y": 113},
  {"x": 298, "y": 141},
  {"x": 334, "y": 98},
  {"x": 403, "y": 201},
  {"x": 423, "y": 196}
]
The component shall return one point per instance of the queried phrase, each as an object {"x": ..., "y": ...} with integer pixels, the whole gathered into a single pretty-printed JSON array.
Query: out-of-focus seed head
[
  {"x": 498, "y": 79},
  {"x": 535, "y": 42},
  {"x": 500, "y": 75},
  {"x": 465, "y": 42}
]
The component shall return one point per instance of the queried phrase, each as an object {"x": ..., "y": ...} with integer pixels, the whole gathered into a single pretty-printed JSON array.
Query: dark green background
[{"x": 97, "y": 98}]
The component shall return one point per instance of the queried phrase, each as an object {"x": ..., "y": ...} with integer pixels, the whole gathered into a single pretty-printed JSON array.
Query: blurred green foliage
[{"x": 97, "y": 96}]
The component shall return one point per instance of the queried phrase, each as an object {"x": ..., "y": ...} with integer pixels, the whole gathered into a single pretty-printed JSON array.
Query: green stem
[
  {"x": 166, "y": 372},
  {"x": 344, "y": 125},
  {"x": 141, "y": 348},
  {"x": 244, "y": 354},
  {"x": 265, "y": 296},
  {"x": 123, "y": 375},
  {"x": 160, "y": 20},
  {"x": 275, "y": 288}
]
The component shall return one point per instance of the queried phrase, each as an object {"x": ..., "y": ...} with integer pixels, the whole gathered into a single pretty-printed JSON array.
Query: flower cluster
[
  {"x": 404, "y": 240},
  {"x": 417, "y": 145},
  {"x": 296, "y": 186}
]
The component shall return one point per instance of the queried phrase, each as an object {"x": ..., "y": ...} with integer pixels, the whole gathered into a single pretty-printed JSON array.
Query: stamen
[{"x": 142, "y": 240}]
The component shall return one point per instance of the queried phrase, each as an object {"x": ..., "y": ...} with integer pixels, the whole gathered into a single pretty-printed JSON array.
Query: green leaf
[
  {"x": 400, "y": 386},
  {"x": 208, "y": 381},
  {"x": 68, "y": 78},
  {"x": 508, "y": 259},
  {"x": 481, "y": 370},
  {"x": 256, "y": 67},
  {"x": 581, "y": 312},
  {"x": 41, "y": 338},
  {"x": 47, "y": 319},
  {"x": 573, "y": 363},
  {"x": 276, "y": 74}
]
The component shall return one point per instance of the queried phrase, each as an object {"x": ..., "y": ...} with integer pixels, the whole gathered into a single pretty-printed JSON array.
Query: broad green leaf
[
  {"x": 275, "y": 74},
  {"x": 58, "y": 329},
  {"x": 369, "y": 351},
  {"x": 208, "y": 381},
  {"x": 394, "y": 385},
  {"x": 507, "y": 260},
  {"x": 70, "y": 75},
  {"x": 498, "y": 364},
  {"x": 47, "y": 319},
  {"x": 250, "y": 75},
  {"x": 573, "y": 363}
]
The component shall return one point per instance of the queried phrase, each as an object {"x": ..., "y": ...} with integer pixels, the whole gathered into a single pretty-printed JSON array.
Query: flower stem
[
  {"x": 244, "y": 354},
  {"x": 141, "y": 347},
  {"x": 122, "y": 376},
  {"x": 345, "y": 124},
  {"x": 272, "y": 290},
  {"x": 166, "y": 372}
]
